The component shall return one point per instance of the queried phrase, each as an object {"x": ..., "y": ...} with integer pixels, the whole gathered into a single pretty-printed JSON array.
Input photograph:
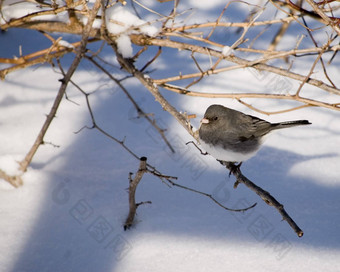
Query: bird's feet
[{"x": 232, "y": 166}]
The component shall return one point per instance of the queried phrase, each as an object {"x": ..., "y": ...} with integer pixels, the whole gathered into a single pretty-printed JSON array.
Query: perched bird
[{"x": 232, "y": 136}]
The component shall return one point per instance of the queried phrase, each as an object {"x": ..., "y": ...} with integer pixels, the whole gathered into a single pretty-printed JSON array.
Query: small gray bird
[{"x": 232, "y": 136}]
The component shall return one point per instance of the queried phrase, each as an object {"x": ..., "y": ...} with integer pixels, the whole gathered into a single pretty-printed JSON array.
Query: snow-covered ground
[{"x": 69, "y": 214}]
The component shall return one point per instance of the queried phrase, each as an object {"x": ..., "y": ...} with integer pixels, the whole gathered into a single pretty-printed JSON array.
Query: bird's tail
[{"x": 290, "y": 124}]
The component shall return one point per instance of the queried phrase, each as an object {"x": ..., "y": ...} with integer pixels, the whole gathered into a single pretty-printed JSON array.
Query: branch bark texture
[{"x": 132, "y": 192}]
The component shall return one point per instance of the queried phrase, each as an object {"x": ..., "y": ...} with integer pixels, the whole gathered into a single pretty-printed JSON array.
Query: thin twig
[
  {"x": 308, "y": 75},
  {"x": 27, "y": 63},
  {"x": 207, "y": 72},
  {"x": 135, "y": 104},
  {"x": 323, "y": 48},
  {"x": 218, "y": 20},
  {"x": 240, "y": 40},
  {"x": 333, "y": 22},
  {"x": 142, "y": 40},
  {"x": 201, "y": 72},
  {"x": 28, "y": 18},
  {"x": 152, "y": 60},
  {"x": 307, "y": 101},
  {"x": 278, "y": 36},
  {"x": 94, "y": 123},
  {"x": 266, "y": 197},
  {"x": 148, "y": 83},
  {"x": 211, "y": 197},
  {"x": 170, "y": 179},
  {"x": 232, "y": 24},
  {"x": 38, "y": 57},
  {"x": 273, "y": 112}
]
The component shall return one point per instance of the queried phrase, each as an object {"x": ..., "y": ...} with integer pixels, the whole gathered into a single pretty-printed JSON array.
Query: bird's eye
[{"x": 215, "y": 118}]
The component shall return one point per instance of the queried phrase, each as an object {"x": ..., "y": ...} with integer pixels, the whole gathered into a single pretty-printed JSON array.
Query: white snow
[
  {"x": 227, "y": 51},
  {"x": 69, "y": 214},
  {"x": 9, "y": 164},
  {"x": 121, "y": 22},
  {"x": 96, "y": 23},
  {"x": 124, "y": 46},
  {"x": 11, "y": 10},
  {"x": 65, "y": 44},
  {"x": 15, "y": 9}
]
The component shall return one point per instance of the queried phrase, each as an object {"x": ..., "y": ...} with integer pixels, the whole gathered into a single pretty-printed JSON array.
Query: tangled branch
[
  {"x": 200, "y": 40},
  {"x": 188, "y": 33},
  {"x": 64, "y": 82}
]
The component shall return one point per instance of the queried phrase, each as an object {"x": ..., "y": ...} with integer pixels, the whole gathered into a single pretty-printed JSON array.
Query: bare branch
[
  {"x": 40, "y": 138},
  {"x": 198, "y": 44},
  {"x": 232, "y": 24},
  {"x": 132, "y": 192},
  {"x": 320, "y": 54},
  {"x": 211, "y": 197},
  {"x": 148, "y": 83},
  {"x": 143, "y": 168},
  {"x": 142, "y": 40},
  {"x": 266, "y": 197},
  {"x": 135, "y": 104},
  {"x": 307, "y": 101},
  {"x": 15, "y": 180},
  {"x": 94, "y": 123},
  {"x": 333, "y": 22},
  {"x": 273, "y": 112}
]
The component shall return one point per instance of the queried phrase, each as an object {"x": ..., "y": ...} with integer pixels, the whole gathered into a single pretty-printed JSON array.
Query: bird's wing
[{"x": 249, "y": 126}]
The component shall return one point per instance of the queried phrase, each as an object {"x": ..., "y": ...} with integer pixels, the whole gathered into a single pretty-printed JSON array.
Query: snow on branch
[{"x": 124, "y": 28}]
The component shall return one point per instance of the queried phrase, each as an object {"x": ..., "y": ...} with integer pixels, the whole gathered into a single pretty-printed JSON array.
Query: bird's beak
[{"x": 205, "y": 121}]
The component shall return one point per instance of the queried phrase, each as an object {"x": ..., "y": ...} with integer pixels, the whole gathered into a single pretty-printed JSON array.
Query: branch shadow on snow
[{"x": 80, "y": 224}]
